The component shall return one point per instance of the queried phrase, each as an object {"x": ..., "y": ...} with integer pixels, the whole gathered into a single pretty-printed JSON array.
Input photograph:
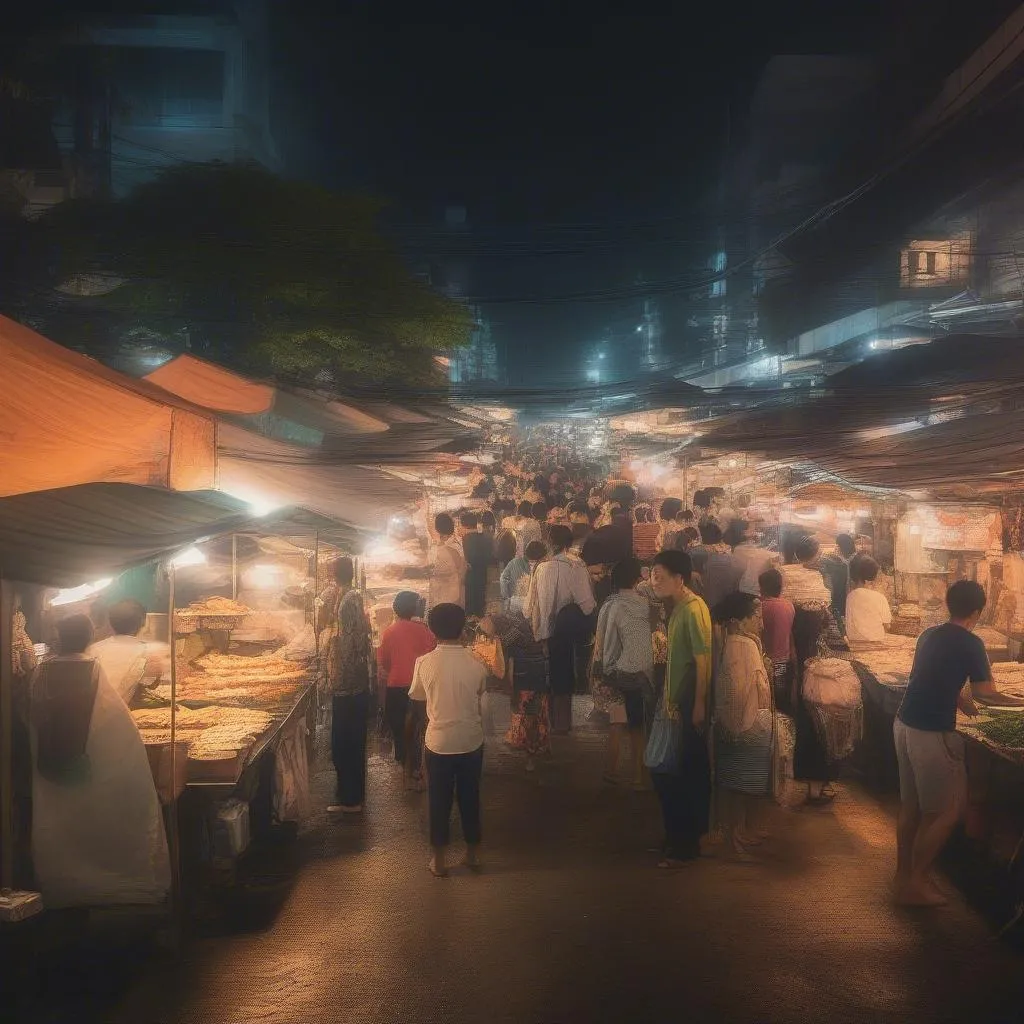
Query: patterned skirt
[
  {"x": 530, "y": 729},
  {"x": 743, "y": 768}
]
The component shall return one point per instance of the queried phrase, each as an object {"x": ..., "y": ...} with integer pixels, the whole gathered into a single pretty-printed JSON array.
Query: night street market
[{"x": 511, "y": 516}]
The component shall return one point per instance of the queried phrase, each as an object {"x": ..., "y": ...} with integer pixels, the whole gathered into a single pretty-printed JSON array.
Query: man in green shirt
[{"x": 685, "y": 792}]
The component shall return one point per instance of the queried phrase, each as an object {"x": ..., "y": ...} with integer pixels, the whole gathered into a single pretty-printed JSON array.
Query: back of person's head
[
  {"x": 686, "y": 516},
  {"x": 627, "y": 574},
  {"x": 686, "y": 538},
  {"x": 710, "y": 533},
  {"x": 535, "y": 551},
  {"x": 560, "y": 537},
  {"x": 127, "y": 617},
  {"x": 444, "y": 524},
  {"x": 406, "y": 604},
  {"x": 845, "y": 545},
  {"x": 469, "y": 521},
  {"x": 734, "y": 607},
  {"x": 770, "y": 582},
  {"x": 344, "y": 570},
  {"x": 539, "y": 511},
  {"x": 447, "y": 621},
  {"x": 965, "y": 599},
  {"x": 487, "y": 520},
  {"x": 806, "y": 549},
  {"x": 74, "y": 634},
  {"x": 863, "y": 569},
  {"x": 735, "y": 533},
  {"x": 525, "y": 509},
  {"x": 624, "y": 495},
  {"x": 670, "y": 508},
  {"x": 676, "y": 563}
]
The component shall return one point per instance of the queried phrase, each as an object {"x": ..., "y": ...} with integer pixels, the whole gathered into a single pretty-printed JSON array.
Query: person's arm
[
  {"x": 700, "y": 702},
  {"x": 582, "y": 591},
  {"x": 384, "y": 655},
  {"x": 505, "y": 582},
  {"x": 416, "y": 689}
]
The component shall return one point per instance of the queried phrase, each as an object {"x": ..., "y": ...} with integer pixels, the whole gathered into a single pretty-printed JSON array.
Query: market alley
[{"x": 571, "y": 922}]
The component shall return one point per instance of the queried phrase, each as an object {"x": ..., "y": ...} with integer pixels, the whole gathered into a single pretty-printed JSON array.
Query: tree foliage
[{"x": 269, "y": 274}]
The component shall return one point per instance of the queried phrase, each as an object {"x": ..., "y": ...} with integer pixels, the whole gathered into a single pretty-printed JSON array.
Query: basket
[
  {"x": 186, "y": 623},
  {"x": 905, "y": 626}
]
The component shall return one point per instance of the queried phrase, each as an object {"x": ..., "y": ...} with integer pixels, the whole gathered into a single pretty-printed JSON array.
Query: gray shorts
[{"x": 933, "y": 776}]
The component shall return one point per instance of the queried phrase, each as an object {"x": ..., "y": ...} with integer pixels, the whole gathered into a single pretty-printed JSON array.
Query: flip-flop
[{"x": 669, "y": 864}]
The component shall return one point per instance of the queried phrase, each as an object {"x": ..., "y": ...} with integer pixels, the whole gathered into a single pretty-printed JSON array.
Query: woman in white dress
[{"x": 97, "y": 828}]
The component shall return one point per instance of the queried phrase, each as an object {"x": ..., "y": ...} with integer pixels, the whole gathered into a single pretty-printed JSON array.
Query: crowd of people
[
  {"x": 696, "y": 633},
  {"x": 688, "y": 627}
]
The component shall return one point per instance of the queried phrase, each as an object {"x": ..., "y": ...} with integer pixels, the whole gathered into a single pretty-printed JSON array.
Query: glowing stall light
[
  {"x": 190, "y": 556},
  {"x": 259, "y": 504},
  {"x": 73, "y": 594},
  {"x": 263, "y": 577}
]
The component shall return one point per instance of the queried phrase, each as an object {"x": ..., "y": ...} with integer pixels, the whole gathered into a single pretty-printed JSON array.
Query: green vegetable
[{"x": 1006, "y": 730}]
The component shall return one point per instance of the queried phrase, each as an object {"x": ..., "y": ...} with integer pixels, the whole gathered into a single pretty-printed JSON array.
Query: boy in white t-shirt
[{"x": 867, "y": 610}]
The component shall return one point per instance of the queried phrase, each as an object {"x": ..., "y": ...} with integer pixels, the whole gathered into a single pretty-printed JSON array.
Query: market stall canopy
[
  {"x": 960, "y": 458},
  {"x": 74, "y": 535},
  {"x": 361, "y": 429},
  {"x": 66, "y": 419},
  {"x": 959, "y": 363},
  {"x": 270, "y": 474}
]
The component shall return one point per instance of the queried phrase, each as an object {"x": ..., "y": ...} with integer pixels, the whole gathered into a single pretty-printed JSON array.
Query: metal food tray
[{"x": 222, "y": 769}]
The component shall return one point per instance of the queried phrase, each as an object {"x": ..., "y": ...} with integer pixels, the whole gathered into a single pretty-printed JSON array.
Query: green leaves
[{"x": 275, "y": 275}]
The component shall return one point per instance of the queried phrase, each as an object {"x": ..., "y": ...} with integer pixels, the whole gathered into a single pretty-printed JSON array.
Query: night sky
[{"x": 582, "y": 143}]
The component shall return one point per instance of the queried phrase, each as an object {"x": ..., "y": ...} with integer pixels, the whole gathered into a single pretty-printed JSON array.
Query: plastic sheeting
[
  {"x": 76, "y": 535},
  {"x": 66, "y": 419},
  {"x": 273, "y": 473},
  {"x": 212, "y": 386}
]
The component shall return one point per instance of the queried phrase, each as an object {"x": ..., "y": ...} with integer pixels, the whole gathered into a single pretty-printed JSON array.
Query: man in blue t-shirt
[{"x": 933, "y": 780}]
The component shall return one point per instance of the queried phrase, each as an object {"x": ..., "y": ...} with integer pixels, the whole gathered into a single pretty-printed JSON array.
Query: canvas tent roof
[
  {"x": 264, "y": 471},
  {"x": 66, "y": 419},
  {"x": 73, "y": 535}
]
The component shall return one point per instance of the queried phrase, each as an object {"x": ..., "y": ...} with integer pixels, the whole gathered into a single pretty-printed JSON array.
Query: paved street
[{"x": 571, "y": 922}]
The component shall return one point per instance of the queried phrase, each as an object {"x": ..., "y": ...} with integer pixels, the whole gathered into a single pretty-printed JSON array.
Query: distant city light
[{"x": 639, "y": 329}]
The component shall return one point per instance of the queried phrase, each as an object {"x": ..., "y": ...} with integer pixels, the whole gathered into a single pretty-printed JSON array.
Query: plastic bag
[
  {"x": 663, "y": 745},
  {"x": 831, "y": 682}
]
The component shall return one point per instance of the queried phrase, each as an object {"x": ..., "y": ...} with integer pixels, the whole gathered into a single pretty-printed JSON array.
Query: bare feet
[
  {"x": 437, "y": 867},
  {"x": 472, "y": 861},
  {"x": 919, "y": 894}
]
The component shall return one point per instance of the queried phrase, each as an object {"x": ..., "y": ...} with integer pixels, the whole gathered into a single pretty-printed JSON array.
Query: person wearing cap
[{"x": 400, "y": 645}]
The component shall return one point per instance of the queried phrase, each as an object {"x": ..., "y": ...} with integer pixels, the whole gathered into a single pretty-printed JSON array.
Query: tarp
[
  {"x": 212, "y": 386},
  {"x": 74, "y": 535},
  {"x": 66, "y": 419},
  {"x": 271, "y": 473}
]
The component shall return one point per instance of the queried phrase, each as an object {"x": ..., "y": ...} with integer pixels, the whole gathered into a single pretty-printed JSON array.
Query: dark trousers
[
  {"x": 396, "y": 706},
  {"x": 349, "y": 716},
  {"x": 686, "y": 801},
  {"x": 454, "y": 776},
  {"x": 566, "y": 658}
]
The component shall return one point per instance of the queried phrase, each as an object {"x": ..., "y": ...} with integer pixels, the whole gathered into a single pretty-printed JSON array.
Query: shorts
[
  {"x": 933, "y": 776},
  {"x": 630, "y": 712}
]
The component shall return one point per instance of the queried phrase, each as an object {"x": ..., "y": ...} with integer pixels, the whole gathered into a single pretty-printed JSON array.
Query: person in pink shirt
[
  {"x": 401, "y": 644},
  {"x": 777, "y": 615}
]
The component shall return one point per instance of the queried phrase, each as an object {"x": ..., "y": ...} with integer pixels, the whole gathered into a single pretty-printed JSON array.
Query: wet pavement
[{"x": 571, "y": 922}]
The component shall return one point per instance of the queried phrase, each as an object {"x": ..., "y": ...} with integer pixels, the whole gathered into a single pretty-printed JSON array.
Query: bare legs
[
  {"x": 920, "y": 839},
  {"x": 636, "y": 754}
]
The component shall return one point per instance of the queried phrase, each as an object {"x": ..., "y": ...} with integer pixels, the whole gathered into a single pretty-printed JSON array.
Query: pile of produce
[{"x": 1006, "y": 730}]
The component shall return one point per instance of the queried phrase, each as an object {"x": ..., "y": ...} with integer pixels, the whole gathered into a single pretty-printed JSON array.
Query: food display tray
[{"x": 226, "y": 769}]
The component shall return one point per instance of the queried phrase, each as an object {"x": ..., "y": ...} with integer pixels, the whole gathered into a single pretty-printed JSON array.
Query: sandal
[
  {"x": 435, "y": 871},
  {"x": 673, "y": 864}
]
